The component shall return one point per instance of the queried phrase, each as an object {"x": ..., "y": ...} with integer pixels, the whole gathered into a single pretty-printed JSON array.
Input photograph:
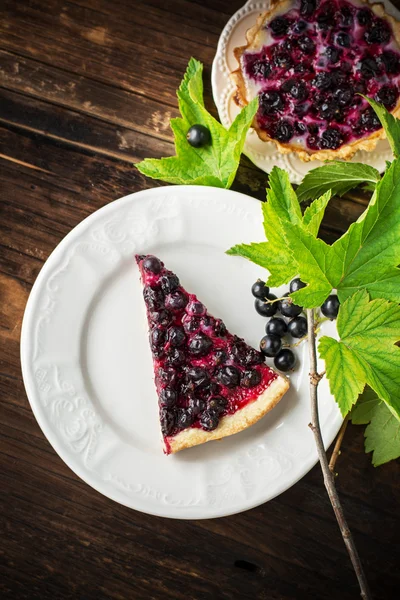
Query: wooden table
[{"x": 87, "y": 89}]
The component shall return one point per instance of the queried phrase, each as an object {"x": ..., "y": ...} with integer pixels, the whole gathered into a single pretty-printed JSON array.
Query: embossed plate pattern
[
  {"x": 264, "y": 154},
  {"x": 87, "y": 365}
]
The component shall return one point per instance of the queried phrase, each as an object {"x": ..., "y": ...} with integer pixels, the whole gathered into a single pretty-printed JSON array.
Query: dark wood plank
[
  {"x": 89, "y": 45},
  {"x": 89, "y": 97},
  {"x": 88, "y": 133}
]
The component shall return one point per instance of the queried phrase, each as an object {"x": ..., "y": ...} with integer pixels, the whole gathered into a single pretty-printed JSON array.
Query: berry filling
[
  {"x": 202, "y": 371},
  {"x": 313, "y": 64}
]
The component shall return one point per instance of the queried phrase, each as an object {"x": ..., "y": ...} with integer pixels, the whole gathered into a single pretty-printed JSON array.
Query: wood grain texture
[{"x": 87, "y": 88}]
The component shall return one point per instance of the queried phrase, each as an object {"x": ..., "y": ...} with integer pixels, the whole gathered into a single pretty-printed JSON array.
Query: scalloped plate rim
[{"x": 37, "y": 411}]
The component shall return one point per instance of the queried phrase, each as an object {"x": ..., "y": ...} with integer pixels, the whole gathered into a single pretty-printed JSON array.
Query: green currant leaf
[
  {"x": 382, "y": 436},
  {"x": 366, "y": 352},
  {"x": 214, "y": 164},
  {"x": 339, "y": 177},
  {"x": 314, "y": 213},
  {"x": 390, "y": 124}
]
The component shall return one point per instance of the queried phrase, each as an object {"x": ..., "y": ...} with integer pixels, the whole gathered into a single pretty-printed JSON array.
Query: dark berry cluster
[
  {"x": 323, "y": 55},
  {"x": 199, "y": 365},
  {"x": 290, "y": 323}
]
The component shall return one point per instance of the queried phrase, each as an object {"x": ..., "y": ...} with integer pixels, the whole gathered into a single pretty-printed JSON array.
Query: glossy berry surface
[
  {"x": 198, "y": 376},
  {"x": 198, "y": 136},
  {"x": 310, "y": 68},
  {"x": 296, "y": 284},
  {"x": 167, "y": 420},
  {"x": 270, "y": 345},
  {"x": 152, "y": 264},
  {"x": 279, "y": 26},
  {"x": 217, "y": 404},
  {"x": 260, "y": 290},
  {"x": 250, "y": 378},
  {"x": 168, "y": 397},
  {"x": 200, "y": 344},
  {"x": 330, "y": 307},
  {"x": 203, "y": 373},
  {"x": 276, "y": 326},
  {"x": 176, "y": 335},
  {"x": 266, "y": 309},
  {"x": 169, "y": 282},
  {"x": 176, "y": 301},
  {"x": 185, "y": 417},
  {"x": 289, "y": 308},
  {"x": 228, "y": 376},
  {"x": 283, "y": 131},
  {"x": 285, "y": 360},
  {"x": 297, "y": 327},
  {"x": 209, "y": 420}
]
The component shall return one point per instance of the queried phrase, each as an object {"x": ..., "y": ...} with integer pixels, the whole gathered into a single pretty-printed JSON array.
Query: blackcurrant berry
[
  {"x": 283, "y": 131},
  {"x": 196, "y": 309},
  {"x": 200, "y": 344},
  {"x": 289, "y": 309},
  {"x": 344, "y": 39},
  {"x": 177, "y": 300},
  {"x": 185, "y": 417},
  {"x": 209, "y": 420},
  {"x": 330, "y": 307},
  {"x": 169, "y": 282},
  {"x": 176, "y": 335},
  {"x": 168, "y": 420},
  {"x": 279, "y": 26},
  {"x": 198, "y": 376},
  {"x": 276, "y": 326},
  {"x": 271, "y": 102},
  {"x": 296, "y": 284},
  {"x": 331, "y": 139},
  {"x": 168, "y": 397},
  {"x": 152, "y": 264},
  {"x": 260, "y": 290},
  {"x": 285, "y": 360},
  {"x": 307, "y": 7},
  {"x": 250, "y": 378},
  {"x": 217, "y": 404},
  {"x": 198, "y": 136},
  {"x": 228, "y": 376},
  {"x": 153, "y": 297},
  {"x": 265, "y": 309},
  {"x": 260, "y": 69},
  {"x": 270, "y": 345},
  {"x": 364, "y": 17},
  {"x": 298, "y": 327},
  {"x": 175, "y": 357}
]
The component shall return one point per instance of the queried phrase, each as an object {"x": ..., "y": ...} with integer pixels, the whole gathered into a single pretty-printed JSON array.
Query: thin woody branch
[
  {"x": 336, "y": 450},
  {"x": 329, "y": 480}
]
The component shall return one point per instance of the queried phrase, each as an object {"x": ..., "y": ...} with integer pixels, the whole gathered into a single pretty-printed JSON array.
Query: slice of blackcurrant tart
[
  {"x": 309, "y": 62},
  {"x": 210, "y": 383}
]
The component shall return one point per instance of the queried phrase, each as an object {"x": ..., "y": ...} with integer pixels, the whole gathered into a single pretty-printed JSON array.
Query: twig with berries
[{"x": 268, "y": 305}]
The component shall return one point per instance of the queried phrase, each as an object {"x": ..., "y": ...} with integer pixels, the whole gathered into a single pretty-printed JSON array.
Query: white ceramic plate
[
  {"x": 87, "y": 364},
  {"x": 264, "y": 154}
]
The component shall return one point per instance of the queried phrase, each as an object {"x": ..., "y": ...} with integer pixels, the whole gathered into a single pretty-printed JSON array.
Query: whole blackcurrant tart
[
  {"x": 309, "y": 62},
  {"x": 210, "y": 383}
]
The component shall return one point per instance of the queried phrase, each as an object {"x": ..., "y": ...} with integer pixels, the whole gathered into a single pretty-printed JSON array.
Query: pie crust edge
[{"x": 230, "y": 424}]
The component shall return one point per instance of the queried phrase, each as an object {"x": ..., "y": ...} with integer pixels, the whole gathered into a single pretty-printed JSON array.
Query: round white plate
[
  {"x": 87, "y": 364},
  {"x": 264, "y": 154}
]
